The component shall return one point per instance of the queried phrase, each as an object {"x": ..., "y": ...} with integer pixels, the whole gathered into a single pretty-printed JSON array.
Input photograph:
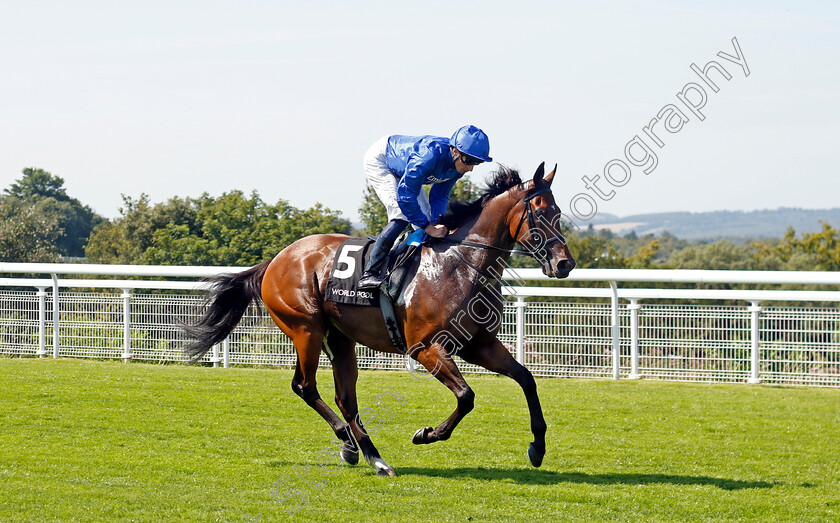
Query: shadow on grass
[{"x": 546, "y": 477}]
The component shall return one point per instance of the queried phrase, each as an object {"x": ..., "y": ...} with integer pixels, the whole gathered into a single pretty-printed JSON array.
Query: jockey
[{"x": 398, "y": 166}]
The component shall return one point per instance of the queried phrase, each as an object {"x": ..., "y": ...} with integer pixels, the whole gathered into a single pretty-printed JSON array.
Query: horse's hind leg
[
  {"x": 495, "y": 357},
  {"x": 346, "y": 373},
  {"x": 308, "y": 346}
]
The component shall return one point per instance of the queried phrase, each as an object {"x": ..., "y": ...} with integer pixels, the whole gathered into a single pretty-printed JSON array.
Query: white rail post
[
  {"x": 126, "y": 296},
  {"x": 215, "y": 358},
  {"x": 55, "y": 315},
  {"x": 634, "y": 338},
  {"x": 42, "y": 322},
  {"x": 755, "y": 309},
  {"x": 616, "y": 346},
  {"x": 226, "y": 352},
  {"x": 520, "y": 329}
]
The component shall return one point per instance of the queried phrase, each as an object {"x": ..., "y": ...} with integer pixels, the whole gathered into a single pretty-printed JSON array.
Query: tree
[
  {"x": 595, "y": 252},
  {"x": 233, "y": 229},
  {"x": 109, "y": 244},
  {"x": 464, "y": 190},
  {"x": 315, "y": 220},
  {"x": 44, "y": 194},
  {"x": 814, "y": 251},
  {"x": 372, "y": 213},
  {"x": 126, "y": 239},
  {"x": 824, "y": 245},
  {"x": 26, "y": 234},
  {"x": 374, "y": 216},
  {"x": 38, "y": 183},
  {"x": 720, "y": 255},
  {"x": 643, "y": 258}
]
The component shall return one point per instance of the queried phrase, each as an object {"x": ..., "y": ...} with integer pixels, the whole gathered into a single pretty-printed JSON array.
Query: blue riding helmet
[{"x": 471, "y": 140}]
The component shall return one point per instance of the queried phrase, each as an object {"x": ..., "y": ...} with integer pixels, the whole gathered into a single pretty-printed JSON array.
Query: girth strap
[{"x": 391, "y": 322}]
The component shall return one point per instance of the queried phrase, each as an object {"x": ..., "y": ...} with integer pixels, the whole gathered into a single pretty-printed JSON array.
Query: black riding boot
[{"x": 372, "y": 277}]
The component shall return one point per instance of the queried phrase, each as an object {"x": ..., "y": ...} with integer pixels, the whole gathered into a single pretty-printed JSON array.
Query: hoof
[
  {"x": 349, "y": 455},
  {"x": 422, "y": 436},
  {"x": 535, "y": 456},
  {"x": 386, "y": 472},
  {"x": 382, "y": 468}
]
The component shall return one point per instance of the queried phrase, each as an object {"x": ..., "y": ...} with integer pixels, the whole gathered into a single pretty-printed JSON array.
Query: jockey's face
[{"x": 460, "y": 166}]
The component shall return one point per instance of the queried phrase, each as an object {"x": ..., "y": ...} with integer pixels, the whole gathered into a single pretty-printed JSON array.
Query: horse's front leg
[
  {"x": 442, "y": 367},
  {"x": 495, "y": 357}
]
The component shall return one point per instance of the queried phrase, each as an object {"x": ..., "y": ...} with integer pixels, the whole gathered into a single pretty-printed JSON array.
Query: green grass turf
[{"x": 96, "y": 441}]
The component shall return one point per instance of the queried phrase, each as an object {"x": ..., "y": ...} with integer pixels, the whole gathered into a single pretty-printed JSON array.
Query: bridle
[{"x": 543, "y": 255}]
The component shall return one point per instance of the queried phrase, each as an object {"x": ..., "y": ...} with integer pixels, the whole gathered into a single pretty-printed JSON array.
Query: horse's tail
[{"x": 226, "y": 302}]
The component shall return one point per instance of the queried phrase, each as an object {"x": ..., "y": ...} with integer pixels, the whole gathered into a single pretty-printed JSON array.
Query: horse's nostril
[{"x": 566, "y": 265}]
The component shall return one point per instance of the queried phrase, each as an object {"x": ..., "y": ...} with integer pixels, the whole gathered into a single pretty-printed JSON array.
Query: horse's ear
[
  {"x": 538, "y": 176},
  {"x": 550, "y": 177}
]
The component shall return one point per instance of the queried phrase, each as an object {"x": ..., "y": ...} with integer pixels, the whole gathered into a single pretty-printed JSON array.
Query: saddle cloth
[{"x": 350, "y": 261}]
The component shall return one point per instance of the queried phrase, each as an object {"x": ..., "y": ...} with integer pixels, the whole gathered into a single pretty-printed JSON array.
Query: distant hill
[{"x": 719, "y": 224}]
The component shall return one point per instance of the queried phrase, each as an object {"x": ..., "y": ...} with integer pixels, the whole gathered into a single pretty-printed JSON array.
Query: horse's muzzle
[{"x": 558, "y": 269}]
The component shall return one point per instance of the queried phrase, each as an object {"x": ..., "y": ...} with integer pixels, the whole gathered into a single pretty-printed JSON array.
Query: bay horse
[{"x": 438, "y": 309}]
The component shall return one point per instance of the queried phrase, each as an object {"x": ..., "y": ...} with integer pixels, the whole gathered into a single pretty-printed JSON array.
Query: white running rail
[{"x": 609, "y": 330}]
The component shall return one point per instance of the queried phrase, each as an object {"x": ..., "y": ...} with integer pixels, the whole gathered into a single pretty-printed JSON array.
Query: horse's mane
[{"x": 498, "y": 182}]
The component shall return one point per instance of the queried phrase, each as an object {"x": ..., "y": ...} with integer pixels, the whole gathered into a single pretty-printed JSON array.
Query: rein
[{"x": 484, "y": 246}]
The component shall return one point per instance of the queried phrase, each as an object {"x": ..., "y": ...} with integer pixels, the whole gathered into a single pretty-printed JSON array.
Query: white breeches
[{"x": 384, "y": 182}]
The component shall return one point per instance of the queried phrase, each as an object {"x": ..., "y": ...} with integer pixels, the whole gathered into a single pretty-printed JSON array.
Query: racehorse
[{"x": 442, "y": 296}]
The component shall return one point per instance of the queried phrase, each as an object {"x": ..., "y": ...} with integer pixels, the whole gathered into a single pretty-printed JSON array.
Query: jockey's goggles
[{"x": 470, "y": 160}]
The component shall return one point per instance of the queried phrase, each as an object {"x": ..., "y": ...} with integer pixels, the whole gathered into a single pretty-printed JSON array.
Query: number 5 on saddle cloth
[{"x": 348, "y": 265}]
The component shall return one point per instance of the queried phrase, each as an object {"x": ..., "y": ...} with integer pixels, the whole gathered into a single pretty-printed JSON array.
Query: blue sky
[{"x": 179, "y": 98}]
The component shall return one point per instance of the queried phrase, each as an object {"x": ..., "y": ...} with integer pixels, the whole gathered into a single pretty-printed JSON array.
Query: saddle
[
  {"x": 404, "y": 250},
  {"x": 349, "y": 263}
]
